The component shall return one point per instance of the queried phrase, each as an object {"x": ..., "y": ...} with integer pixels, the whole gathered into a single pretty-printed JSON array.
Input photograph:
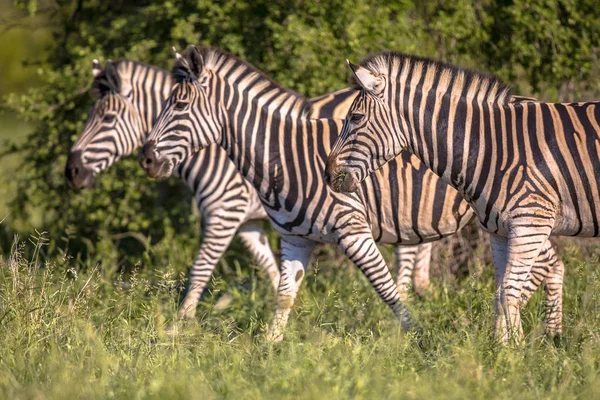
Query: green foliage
[
  {"x": 546, "y": 48},
  {"x": 78, "y": 334}
]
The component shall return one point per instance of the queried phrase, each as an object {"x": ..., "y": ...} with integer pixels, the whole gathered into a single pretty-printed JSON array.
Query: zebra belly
[
  {"x": 407, "y": 203},
  {"x": 409, "y": 231}
]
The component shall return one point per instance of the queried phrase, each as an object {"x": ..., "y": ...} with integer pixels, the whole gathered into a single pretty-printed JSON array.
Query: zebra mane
[
  {"x": 107, "y": 81},
  {"x": 110, "y": 79},
  {"x": 214, "y": 58},
  {"x": 394, "y": 65}
]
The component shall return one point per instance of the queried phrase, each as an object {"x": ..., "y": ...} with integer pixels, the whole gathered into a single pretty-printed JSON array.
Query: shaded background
[{"x": 543, "y": 48}]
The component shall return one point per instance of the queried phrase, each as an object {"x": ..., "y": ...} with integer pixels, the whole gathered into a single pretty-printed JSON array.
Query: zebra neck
[
  {"x": 271, "y": 129},
  {"x": 456, "y": 140},
  {"x": 147, "y": 87},
  {"x": 280, "y": 154}
]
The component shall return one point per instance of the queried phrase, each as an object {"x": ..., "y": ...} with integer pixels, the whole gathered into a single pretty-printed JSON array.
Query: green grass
[{"x": 71, "y": 333}]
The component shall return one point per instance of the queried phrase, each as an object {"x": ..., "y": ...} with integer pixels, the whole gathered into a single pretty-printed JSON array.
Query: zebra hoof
[
  {"x": 178, "y": 327},
  {"x": 558, "y": 340},
  {"x": 173, "y": 329},
  {"x": 224, "y": 302}
]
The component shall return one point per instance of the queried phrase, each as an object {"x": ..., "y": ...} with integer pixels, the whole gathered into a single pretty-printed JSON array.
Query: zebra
[
  {"x": 529, "y": 170},
  {"x": 267, "y": 132},
  {"x": 130, "y": 95}
]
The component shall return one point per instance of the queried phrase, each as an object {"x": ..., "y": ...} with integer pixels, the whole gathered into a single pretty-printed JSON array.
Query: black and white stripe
[
  {"x": 130, "y": 96},
  {"x": 528, "y": 169},
  {"x": 267, "y": 133}
]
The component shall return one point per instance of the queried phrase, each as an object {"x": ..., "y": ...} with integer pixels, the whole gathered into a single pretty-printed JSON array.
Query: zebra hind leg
[
  {"x": 256, "y": 241},
  {"x": 421, "y": 276},
  {"x": 513, "y": 259},
  {"x": 294, "y": 261},
  {"x": 406, "y": 257},
  {"x": 548, "y": 269},
  {"x": 554, "y": 295},
  {"x": 413, "y": 264}
]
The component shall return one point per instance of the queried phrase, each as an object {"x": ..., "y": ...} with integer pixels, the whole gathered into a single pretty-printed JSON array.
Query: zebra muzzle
[
  {"x": 151, "y": 162},
  {"x": 78, "y": 176}
]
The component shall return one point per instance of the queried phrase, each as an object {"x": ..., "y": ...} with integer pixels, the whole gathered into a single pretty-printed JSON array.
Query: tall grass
[{"x": 67, "y": 332}]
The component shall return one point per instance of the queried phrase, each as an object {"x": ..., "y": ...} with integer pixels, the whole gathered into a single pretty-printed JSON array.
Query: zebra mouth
[
  {"x": 159, "y": 169},
  {"x": 345, "y": 182},
  {"x": 85, "y": 183},
  {"x": 338, "y": 180}
]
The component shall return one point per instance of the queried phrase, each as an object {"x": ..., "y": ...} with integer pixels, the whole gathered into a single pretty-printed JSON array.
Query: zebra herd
[{"x": 424, "y": 148}]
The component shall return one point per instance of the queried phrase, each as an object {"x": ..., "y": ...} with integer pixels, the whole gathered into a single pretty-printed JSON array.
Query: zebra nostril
[
  {"x": 148, "y": 161},
  {"x": 75, "y": 171}
]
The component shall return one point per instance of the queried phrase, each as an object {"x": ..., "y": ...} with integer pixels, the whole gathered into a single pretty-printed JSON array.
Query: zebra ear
[
  {"x": 96, "y": 68},
  {"x": 112, "y": 77},
  {"x": 365, "y": 78},
  {"x": 107, "y": 81},
  {"x": 195, "y": 60},
  {"x": 189, "y": 66}
]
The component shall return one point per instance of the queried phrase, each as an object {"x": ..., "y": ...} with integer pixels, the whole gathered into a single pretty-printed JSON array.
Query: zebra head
[
  {"x": 365, "y": 142},
  {"x": 189, "y": 120},
  {"x": 113, "y": 128}
]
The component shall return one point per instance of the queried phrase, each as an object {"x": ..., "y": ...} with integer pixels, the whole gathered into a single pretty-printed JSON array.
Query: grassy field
[{"x": 68, "y": 332}]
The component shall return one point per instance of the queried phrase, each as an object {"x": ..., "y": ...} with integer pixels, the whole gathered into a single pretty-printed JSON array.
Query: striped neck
[
  {"x": 146, "y": 87},
  {"x": 265, "y": 124},
  {"x": 452, "y": 134}
]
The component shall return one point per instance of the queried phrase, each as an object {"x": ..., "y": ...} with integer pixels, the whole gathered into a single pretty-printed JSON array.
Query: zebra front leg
[
  {"x": 295, "y": 257},
  {"x": 363, "y": 252},
  {"x": 513, "y": 259},
  {"x": 256, "y": 241},
  {"x": 215, "y": 241}
]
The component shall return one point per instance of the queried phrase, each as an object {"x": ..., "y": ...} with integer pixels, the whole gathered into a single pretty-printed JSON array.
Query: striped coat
[
  {"x": 528, "y": 169},
  {"x": 268, "y": 134},
  {"x": 130, "y": 96}
]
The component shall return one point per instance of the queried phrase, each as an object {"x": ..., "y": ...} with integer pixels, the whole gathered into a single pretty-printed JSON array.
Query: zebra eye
[
  {"x": 356, "y": 117},
  {"x": 108, "y": 118},
  {"x": 180, "y": 105}
]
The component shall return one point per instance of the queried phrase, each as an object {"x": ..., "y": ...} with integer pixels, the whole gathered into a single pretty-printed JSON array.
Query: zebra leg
[
  {"x": 413, "y": 265},
  {"x": 255, "y": 239},
  {"x": 421, "y": 277},
  {"x": 216, "y": 239},
  {"x": 548, "y": 269},
  {"x": 513, "y": 259},
  {"x": 554, "y": 294},
  {"x": 539, "y": 273},
  {"x": 500, "y": 255},
  {"x": 406, "y": 257},
  {"x": 295, "y": 256},
  {"x": 363, "y": 252}
]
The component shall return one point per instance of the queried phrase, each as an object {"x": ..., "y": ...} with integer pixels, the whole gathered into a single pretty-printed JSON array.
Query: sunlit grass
[{"x": 67, "y": 332}]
